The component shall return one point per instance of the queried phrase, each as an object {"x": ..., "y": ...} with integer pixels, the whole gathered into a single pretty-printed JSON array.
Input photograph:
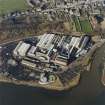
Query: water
[{"x": 90, "y": 91}]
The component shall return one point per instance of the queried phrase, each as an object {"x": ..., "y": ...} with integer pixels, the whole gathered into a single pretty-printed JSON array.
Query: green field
[
  {"x": 7, "y": 6},
  {"x": 86, "y": 26},
  {"x": 82, "y": 25},
  {"x": 77, "y": 24}
]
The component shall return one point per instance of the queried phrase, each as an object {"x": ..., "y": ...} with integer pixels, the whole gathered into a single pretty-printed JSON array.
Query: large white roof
[{"x": 23, "y": 49}]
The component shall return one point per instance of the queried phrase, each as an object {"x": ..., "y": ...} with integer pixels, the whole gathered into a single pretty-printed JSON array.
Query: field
[
  {"x": 85, "y": 26},
  {"x": 82, "y": 25},
  {"x": 77, "y": 24},
  {"x": 7, "y": 6}
]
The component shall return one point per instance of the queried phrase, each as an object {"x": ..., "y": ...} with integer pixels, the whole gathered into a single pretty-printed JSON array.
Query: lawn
[
  {"x": 77, "y": 24},
  {"x": 7, "y": 6},
  {"x": 85, "y": 26},
  {"x": 82, "y": 24}
]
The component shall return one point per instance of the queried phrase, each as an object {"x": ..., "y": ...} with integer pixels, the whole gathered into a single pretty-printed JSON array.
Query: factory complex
[{"x": 51, "y": 54}]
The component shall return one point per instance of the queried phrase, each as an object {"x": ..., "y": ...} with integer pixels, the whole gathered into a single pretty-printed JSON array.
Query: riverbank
[
  {"x": 57, "y": 85},
  {"x": 103, "y": 76}
]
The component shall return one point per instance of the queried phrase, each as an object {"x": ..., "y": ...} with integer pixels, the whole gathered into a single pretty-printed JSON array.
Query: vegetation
[
  {"x": 85, "y": 26},
  {"x": 7, "y": 6},
  {"x": 82, "y": 25},
  {"x": 77, "y": 24}
]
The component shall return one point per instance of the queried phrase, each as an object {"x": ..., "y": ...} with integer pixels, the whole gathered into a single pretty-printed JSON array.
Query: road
[{"x": 15, "y": 40}]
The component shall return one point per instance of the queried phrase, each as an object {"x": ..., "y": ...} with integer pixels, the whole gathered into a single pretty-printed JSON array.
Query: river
[{"x": 90, "y": 91}]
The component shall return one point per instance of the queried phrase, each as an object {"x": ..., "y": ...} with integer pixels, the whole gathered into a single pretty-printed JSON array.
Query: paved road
[{"x": 16, "y": 40}]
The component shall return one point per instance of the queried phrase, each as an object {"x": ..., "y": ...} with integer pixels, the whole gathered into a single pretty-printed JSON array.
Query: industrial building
[
  {"x": 61, "y": 50},
  {"x": 21, "y": 49},
  {"x": 51, "y": 54}
]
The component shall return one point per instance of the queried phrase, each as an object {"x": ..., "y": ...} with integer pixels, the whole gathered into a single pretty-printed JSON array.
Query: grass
[
  {"x": 7, "y": 6},
  {"x": 77, "y": 24},
  {"x": 82, "y": 25},
  {"x": 85, "y": 26}
]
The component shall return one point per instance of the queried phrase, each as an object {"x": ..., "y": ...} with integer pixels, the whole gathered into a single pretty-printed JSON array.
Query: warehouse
[{"x": 21, "y": 49}]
